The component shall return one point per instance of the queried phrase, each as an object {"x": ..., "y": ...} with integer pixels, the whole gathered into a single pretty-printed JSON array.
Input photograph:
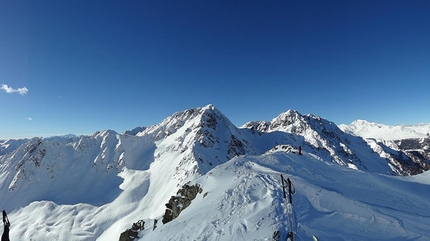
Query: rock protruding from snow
[
  {"x": 181, "y": 201},
  {"x": 282, "y": 148},
  {"x": 132, "y": 233}
]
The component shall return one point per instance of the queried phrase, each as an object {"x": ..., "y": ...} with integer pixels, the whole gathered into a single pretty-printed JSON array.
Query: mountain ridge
[{"x": 313, "y": 133}]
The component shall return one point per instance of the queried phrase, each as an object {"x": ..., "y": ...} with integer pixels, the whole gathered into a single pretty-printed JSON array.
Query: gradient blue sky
[{"x": 84, "y": 66}]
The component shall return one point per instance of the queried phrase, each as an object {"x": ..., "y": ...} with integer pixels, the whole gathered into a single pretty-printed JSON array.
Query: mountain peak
[
  {"x": 294, "y": 122},
  {"x": 202, "y": 116},
  {"x": 286, "y": 120},
  {"x": 209, "y": 107}
]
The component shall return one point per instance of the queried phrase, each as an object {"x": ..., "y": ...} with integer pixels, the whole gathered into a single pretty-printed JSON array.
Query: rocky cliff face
[
  {"x": 418, "y": 147},
  {"x": 416, "y": 152}
]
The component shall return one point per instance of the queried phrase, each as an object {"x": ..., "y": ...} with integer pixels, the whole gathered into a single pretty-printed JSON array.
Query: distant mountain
[
  {"x": 399, "y": 144},
  {"x": 134, "y": 131},
  {"x": 94, "y": 187},
  {"x": 384, "y": 132},
  {"x": 324, "y": 139},
  {"x": 8, "y": 146}
]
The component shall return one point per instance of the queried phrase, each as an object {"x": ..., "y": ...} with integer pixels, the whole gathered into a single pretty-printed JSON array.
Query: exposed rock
[
  {"x": 155, "y": 224},
  {"x": 138, "y": 226},
  {"x": 181, "y": 201},
  {"x": 128, "y": 235},
  {"x": 284, "y": 148},
  {"x": 236, "y": 147},
  {"x": 417, "y": 151},
  {"x": 132, "y": 233}
]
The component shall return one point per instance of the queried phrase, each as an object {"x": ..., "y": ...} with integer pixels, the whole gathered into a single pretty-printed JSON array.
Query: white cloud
[
  {"x": 10, "y": 90},
  {"x": 29, "y": 118}
]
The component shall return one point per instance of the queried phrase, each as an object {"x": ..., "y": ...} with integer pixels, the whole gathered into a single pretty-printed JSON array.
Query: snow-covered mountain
[
  {"x": 384, "y": 132},
  {"x": 396, "y": 143},
  {"x": 324, "y": 139},
  {"x": 8, "y": 146},
  {"x": 95, "y": 187}
]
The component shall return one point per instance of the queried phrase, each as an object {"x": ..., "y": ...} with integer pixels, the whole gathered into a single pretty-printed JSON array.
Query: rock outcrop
[{"x": 181, "y": 201}]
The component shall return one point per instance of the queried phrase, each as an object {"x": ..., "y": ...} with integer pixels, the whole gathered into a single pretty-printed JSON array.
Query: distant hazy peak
[
  {"x": 134, "y": 131},
  {"x": 368, "y": 129}
]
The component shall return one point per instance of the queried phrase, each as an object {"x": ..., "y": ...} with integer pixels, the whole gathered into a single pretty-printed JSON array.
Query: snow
[
  {"x": 244, "y": 201},
  {"x": 367, "y": 129},
  {"x": 95, "y": 187},
  {"x": 423, "y": 178}
]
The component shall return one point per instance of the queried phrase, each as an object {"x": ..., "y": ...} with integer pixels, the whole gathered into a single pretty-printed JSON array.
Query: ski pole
[{"x": 290, "y": 213}]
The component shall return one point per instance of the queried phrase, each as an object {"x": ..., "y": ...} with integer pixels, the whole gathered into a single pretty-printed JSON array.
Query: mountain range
[
  {"x": 374, "y": 130},
  {"x": 349, "y": 186}
]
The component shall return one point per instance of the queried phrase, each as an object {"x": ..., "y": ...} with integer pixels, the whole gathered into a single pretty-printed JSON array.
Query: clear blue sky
[{"x": 84, "y": 66}]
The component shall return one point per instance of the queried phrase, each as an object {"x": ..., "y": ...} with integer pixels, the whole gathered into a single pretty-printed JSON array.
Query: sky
[{"x": 77, "y": 67}]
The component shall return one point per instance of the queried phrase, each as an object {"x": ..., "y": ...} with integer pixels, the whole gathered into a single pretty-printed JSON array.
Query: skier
[
  {"x": 300, "y": 150},
  {"x": 6, "y": 223}
]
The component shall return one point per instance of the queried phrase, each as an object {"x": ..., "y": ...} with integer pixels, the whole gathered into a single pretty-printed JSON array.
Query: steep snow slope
[{"x": 384, "y": 132}]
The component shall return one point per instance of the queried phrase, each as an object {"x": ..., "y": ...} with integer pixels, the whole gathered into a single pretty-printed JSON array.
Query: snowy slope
[
  {"x": 384, "y": 132},
  {"x": 95, "y": 187},
  {"x": 244, "y": 202}
]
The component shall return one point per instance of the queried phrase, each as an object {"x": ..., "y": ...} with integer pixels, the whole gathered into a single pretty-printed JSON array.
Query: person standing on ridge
[
  {"x": 6, "y": 223},
  {"x": 300, "y": 150}
]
